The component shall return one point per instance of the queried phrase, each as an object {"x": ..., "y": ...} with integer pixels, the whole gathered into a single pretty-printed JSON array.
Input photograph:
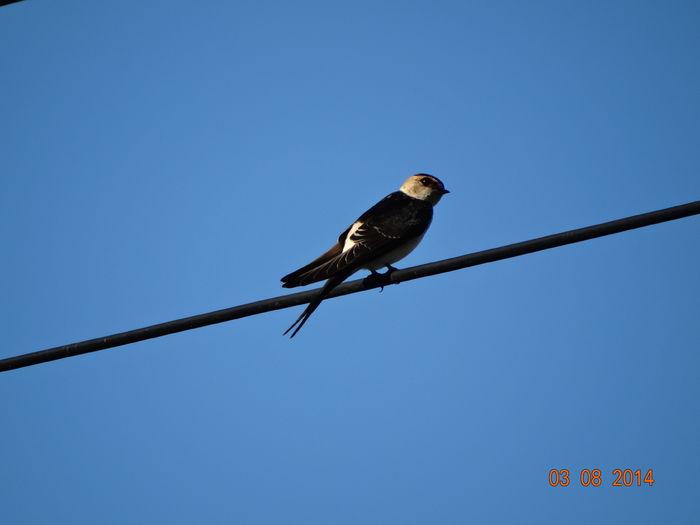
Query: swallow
[{"x": 383, "y": 235}]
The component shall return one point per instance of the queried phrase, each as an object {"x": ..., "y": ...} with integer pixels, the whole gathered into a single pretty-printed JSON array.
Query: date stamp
[{"x": 594, "y": 478}]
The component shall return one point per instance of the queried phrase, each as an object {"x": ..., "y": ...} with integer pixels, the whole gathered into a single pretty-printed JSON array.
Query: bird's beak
[{"x": 445, "y": 191}]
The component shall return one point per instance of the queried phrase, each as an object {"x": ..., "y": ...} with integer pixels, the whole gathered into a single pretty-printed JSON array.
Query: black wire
[
  {"x": 416, "y": 272},
  {"x": 7, "y": 2}
]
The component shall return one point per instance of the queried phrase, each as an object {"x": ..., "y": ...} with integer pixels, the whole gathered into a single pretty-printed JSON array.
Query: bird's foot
[
  {"x": 374, "y": 278},
  {"x": 389, "y": 270},
  {"x": 380, "y": 279}
]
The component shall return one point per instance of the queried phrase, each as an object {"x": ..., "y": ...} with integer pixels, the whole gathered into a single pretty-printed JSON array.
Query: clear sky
[{"x": 168, "y": 158}]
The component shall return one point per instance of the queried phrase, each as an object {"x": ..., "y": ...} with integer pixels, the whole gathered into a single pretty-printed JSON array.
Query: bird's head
[{"x": 424, "y": 187}]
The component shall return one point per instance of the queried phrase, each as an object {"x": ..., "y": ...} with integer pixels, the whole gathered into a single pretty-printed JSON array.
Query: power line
[
  {"x": 408, "y": 274},
  {"x": 8, "y": 2}
]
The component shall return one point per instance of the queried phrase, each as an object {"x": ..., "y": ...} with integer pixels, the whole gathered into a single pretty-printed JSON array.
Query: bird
[{"x": 383, "y": 235}]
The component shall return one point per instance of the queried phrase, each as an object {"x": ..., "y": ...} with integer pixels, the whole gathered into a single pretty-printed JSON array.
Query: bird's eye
[{"x": 425, "y": 181}]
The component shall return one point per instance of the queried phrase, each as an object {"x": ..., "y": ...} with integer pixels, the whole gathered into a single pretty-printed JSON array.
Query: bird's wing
[
  {"x": 386, "y": 226},
  {"x": 290, "y": 281}
]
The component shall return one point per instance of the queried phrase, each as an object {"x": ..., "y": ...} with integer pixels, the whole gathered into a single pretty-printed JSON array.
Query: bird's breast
[{"x": 394, "y": 255}]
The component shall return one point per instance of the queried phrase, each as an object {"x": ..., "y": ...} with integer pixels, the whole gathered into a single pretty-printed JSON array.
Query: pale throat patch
[{"x": 416, "y": 190}]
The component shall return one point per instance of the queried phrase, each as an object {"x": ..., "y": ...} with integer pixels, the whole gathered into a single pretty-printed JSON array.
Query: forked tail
[{"x": 327, "y": 288}]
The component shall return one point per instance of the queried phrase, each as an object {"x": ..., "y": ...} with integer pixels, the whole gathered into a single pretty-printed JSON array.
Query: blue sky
[{"x": 163, "y": 159}]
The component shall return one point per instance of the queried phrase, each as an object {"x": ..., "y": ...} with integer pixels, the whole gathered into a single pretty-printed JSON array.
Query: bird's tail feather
[
  {"x": 313, "y": 304},
  {"x": 303, "y": 317}
]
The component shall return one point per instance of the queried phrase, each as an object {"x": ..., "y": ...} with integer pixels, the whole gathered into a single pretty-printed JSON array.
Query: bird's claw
[
  {"x": 372, "y": 279},
  {"x": 376, "y": 275}
]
